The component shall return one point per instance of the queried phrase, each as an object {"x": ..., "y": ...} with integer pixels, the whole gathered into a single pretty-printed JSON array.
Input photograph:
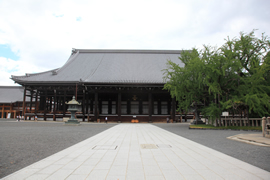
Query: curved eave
[{"x": 62, "y": 83}]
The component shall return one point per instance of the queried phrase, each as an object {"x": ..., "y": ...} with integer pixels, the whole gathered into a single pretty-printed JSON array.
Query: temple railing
[{"x": 230, "y": 121}]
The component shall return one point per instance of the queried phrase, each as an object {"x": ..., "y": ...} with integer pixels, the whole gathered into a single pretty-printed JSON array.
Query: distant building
[
  {"x": 119, "y": 84},
  {"x": 11, "y": 101}
]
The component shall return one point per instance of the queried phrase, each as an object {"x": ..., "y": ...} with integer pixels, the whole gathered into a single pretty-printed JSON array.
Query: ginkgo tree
[{"x": 234, "y": 77}]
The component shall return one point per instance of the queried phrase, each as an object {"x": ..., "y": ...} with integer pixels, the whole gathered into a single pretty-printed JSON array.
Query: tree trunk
[
  {"x": 219, "y": 109},
  {"x": 197, "y": 113}
]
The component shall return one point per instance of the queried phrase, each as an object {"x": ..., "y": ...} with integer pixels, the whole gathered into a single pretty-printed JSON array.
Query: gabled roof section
[
  {"x": 108, "y": 66},
  {"x": 11, "y": 94}
]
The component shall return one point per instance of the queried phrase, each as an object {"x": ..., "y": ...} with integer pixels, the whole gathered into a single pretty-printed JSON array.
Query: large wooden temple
[{"x": 118, "y": 84}]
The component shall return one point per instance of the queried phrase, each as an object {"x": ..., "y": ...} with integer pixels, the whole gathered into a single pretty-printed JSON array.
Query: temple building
[
  {"x": 11, "y": 101},
  {"x": 118, "y": 84}
]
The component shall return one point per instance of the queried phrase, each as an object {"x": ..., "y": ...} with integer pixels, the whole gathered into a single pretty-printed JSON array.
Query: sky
[{"x": 38, "y": 35}]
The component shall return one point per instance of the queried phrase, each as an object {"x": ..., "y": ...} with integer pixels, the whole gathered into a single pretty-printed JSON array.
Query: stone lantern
[{"x": 72, "y": 108}]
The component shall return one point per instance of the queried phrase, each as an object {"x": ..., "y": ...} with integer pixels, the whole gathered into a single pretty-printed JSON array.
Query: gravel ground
[
  {"x": 23, "y": 143},
  {"x": 216, "y": 139}
]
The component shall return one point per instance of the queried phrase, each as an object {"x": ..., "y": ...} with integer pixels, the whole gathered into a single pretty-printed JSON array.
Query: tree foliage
[{"x": 234, "y": 77}]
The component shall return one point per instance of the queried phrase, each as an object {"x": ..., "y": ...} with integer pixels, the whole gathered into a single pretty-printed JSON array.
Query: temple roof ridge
[{"x": 127, "y": 51}]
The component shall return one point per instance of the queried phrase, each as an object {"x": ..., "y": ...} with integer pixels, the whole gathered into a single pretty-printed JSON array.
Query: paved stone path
[{"x": 139, "y": 151}]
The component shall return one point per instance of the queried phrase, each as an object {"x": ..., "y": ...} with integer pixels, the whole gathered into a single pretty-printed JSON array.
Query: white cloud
[
  {"x": 44, "y": 32},
  {"x": 9, "y": 66}
]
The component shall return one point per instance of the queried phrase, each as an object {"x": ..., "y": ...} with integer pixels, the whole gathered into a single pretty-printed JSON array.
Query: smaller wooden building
[{"x": 11, "y": 101}]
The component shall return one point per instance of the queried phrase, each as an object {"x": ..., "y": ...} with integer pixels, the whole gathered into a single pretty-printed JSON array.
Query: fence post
[{"x": 263, "y": 125}]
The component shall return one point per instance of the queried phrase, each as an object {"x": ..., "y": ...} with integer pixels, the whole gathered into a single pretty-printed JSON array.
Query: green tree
[
  {"x": 251, "y": 91},
  {"x": 186, "y": 83},
  {"x": 234, "y": 77}
]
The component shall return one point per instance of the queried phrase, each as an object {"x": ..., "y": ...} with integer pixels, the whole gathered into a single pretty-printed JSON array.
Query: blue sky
[
  {"x": 5, "y": 51},
  {"x": 37, "y": 36}
]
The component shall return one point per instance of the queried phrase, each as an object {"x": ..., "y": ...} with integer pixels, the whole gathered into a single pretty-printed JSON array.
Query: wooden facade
[{"x": 119, "y": 103}]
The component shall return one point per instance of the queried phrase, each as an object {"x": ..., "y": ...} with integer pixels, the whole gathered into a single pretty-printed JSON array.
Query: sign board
[{"x": 225, "y": 113}]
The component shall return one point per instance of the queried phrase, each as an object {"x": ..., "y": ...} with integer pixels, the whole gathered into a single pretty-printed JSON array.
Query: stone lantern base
[{"x": 72, "y": 122}]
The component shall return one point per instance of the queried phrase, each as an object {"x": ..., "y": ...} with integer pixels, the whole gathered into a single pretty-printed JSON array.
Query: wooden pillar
[
  {"x": 96, "y": 106},
  {"x": 64, "y": 108},
  {"x": 83, "y": 105},
  {"x": 128, "y": 107},
  {"x": 24, "y": 97},
  {"x": 169, "y": 106},
  {"x": 76, "y": 91},
  {"x": 56, "y": 102},
  {"x": 31, "y": 99},
  {"x": 49, "y": 107},
  {"x": 150, "y": 106},
  {"x": 91, "y": 106},
  {"x": 14, "y": 111},
  {"x": 87, "y": 104},
  {"x": 140, "y": 106},
  {"x": 45, "y": 106},
  {"x": 3, "y": 107},
  {"x": 173, "y": 109},
  {"x": 110, "y": 106},
  {"x": 54, "y": 106},
  {"x": 36, "y": 103},
  {"x": 61, "y": 103},
  {"x": 159, "y": 107},
  {"x": 119, "y": 106},
  {"x": 100, "y": 106},
  {"x": 10, "y": 109}
]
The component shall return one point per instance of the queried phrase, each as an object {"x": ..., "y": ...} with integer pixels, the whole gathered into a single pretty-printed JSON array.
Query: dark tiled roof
[
  {"x": 108, "y": 66},
  {"x": 11, "y": 94}
]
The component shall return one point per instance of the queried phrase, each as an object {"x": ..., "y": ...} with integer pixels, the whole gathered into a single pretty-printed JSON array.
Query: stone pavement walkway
[{"x": 139, "y": 151}]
